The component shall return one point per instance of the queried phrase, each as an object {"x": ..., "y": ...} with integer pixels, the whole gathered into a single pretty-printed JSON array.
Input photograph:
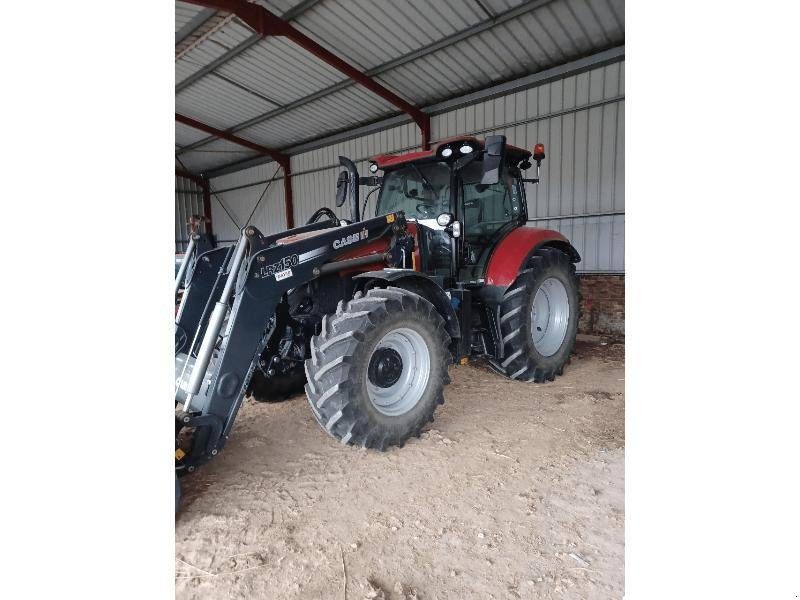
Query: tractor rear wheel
[
  {"x": 539, "y": 318},
  {"x": 378, "y": 368}
]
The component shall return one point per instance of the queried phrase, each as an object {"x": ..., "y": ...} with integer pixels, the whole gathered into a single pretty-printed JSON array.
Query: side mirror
[
  {"x": 341, "y": 188},
  {"x": 494, "y": 158},
  {"x": 347, "y": 187}
]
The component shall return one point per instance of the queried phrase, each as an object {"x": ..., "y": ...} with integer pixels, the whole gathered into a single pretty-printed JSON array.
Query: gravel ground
[{"x": 515, "y": 491}]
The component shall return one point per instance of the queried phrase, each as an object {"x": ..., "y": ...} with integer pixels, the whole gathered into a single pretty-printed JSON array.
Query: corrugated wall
[
  {"x": 260, "y": 204},
  {"x": 188, "y": 201},
  {"x": 580, "y": 119}
]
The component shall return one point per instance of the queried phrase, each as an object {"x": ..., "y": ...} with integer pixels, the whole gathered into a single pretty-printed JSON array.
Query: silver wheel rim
[
  {"x": 404, "y": 394},
  {"x": 549, "y": 316}
]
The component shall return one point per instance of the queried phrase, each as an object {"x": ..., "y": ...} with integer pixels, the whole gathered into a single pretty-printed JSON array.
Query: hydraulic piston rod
[
  {"x": 184, "y": 263},
  {"x": 214, "y": 325}
]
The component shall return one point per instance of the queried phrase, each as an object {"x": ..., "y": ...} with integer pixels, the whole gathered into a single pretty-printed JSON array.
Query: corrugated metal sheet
[
  {"x": 210, "y": 48},
  {"x": 553, "y": 34},
  {"x": 211, "y": 154},
  {"x": 188, "y": 201},
  {"x": 330, "y": 113},
  {"x": 581, "y": 121},
  {"x": 216, "y": 102},
  {"x": 280, "y": 70},
  {"x": 374, "y": 33},
  {"x": 269, "y": 215},
  {"x": 187, "y": 135},
  {"x": 185, "y": 13},
  {"x": 370, "y": 34}
]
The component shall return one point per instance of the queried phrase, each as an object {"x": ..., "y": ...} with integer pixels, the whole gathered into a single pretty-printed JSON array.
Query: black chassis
[{"x": 251, "y": 321}]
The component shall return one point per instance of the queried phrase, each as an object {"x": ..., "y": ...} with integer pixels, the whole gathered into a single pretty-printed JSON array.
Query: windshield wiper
[{"x": 425, "y": 181}]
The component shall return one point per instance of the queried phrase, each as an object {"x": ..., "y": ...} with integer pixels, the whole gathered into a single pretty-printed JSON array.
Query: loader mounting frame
[{"x": 275, "y": 264}]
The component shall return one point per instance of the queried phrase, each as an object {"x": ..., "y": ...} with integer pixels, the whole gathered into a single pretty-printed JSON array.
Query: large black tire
[
  {"x": 277, "y": 388},
  {"x": 522, "y": 360},
  {"x": 342, "y": 355}
]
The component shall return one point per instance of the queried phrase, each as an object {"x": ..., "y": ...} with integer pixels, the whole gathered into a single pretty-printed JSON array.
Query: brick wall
[{"x": 603, "y": 304}]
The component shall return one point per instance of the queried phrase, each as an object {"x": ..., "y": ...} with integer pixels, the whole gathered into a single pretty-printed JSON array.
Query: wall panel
[{"x": 580, "y": 119}]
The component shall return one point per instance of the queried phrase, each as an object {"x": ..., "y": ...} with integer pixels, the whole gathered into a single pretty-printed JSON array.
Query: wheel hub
[
  {"x": 385, "y": 367},
  {"x": 550, "y": 316},
  {"x": 398, "y": 371}
]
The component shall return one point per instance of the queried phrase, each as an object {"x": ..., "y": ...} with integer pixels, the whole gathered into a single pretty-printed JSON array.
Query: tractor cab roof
[{"x": 389, "y": 161}]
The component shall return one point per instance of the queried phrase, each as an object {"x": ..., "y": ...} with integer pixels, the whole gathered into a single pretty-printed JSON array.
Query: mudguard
[
  {"x": 511, "y": 253},
  {"x": 420, "y": 284}
]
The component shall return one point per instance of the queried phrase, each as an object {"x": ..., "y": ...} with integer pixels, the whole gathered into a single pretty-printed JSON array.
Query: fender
[
  {"x": 505, "y": 263},
  {"x": 420, "y": 284},
  {"x": 512, "y": 252}
]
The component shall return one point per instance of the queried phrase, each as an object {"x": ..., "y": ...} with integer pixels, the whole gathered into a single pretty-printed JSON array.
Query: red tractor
[{"x": 368, "y": 314}]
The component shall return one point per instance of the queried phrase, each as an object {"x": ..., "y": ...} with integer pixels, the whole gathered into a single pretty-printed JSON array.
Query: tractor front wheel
[
  {"x": 378, "y": 368},
  {"x": 539, "y": 318}
]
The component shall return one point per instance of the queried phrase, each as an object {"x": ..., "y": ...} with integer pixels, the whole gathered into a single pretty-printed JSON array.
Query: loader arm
[{"x": 271, "y": 269}]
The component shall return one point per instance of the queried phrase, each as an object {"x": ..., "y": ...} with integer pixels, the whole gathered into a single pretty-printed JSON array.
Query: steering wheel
[
  {"x": 426, "y": 211},
  {"x": 324, "y": 211}
]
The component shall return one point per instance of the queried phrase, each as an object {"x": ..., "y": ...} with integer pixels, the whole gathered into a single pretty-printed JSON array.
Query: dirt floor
[{"x": 515, "y": 491}]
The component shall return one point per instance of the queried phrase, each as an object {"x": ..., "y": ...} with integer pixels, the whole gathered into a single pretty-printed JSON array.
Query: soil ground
[{"x": 515, "y": 491}]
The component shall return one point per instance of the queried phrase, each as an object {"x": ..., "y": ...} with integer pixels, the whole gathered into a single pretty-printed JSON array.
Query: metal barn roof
[{"x": 273, "y": 92}]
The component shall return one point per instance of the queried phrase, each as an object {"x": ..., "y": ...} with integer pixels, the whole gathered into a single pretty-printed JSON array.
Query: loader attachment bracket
[{"x": 270, "y": 270}]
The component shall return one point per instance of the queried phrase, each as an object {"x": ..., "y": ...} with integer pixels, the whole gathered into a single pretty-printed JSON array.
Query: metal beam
[
  {"x": 445, "y": 42},
  {"x": 299, "y": 9},
  {"x": 194, "y": 24},
  {"x": 575, "y": 67},
  {"x": 217, "y": 62},
  {"x": 268, "y": 24},
  {"x": 287, "y": 196},
  {"x": 191, "y": 176},
  {"x": 278, "y": 157},
  {"x": 207, "y": 207},
  {"x": 290, "y": 14}
]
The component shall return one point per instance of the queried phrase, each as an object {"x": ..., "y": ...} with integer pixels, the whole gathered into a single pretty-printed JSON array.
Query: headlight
[
  {"x": 444, "y": 219},
  {"x": 447, "y": 152},
  {"x": 373, "y": 167},
  {"x": 465, "y": 149}
]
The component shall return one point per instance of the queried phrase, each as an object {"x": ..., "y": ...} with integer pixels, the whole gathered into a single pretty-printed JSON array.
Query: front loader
[{"x": 368, "y": 314}]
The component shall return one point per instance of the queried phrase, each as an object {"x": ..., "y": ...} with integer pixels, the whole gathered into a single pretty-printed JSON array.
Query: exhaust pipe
[{"x": 215, "y": 323}]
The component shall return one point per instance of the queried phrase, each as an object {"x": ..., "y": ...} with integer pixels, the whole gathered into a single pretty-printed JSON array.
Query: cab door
[{"x": 487, "y": 213}]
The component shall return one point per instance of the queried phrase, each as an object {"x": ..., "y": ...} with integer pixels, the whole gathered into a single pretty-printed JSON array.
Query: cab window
[
  {"x": 487, "y": 209},
  {"x": 421, "y": 191}
]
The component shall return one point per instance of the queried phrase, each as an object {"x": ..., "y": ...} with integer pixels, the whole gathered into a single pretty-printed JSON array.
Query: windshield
[{"x": 421, "y": 191}]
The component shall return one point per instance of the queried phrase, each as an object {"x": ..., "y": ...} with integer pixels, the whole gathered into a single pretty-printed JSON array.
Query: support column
[
  {"x": 288, "y": 201},
  {"x": 207, "y": 206}
]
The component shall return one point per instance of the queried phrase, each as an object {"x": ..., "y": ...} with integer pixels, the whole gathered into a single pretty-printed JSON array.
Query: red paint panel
[
  {"x": 507, "y": 259},
  {"x": 390, "y": 160}
]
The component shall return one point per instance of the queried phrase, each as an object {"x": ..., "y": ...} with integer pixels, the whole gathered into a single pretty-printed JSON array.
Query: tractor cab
[{"x": 464, "y": 195}]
